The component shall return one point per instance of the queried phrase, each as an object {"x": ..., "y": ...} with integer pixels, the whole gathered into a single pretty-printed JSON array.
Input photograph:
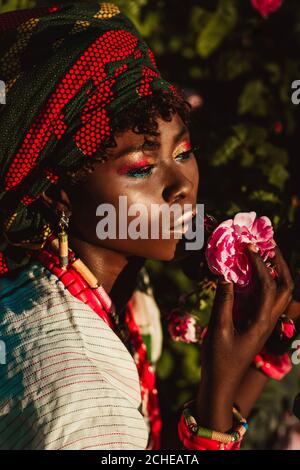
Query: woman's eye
[
  {"x": 142, "y": 172},
  {"x": 183, "y": 156}
]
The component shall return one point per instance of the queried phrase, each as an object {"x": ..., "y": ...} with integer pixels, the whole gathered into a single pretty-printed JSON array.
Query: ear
[{"x": 57, "y": 200}]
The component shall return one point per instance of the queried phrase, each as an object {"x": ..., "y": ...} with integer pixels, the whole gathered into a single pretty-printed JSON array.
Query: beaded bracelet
[{"x": 198, "y": 437}]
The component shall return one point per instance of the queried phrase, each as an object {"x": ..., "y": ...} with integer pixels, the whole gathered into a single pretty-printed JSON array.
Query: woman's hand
[
  {"x": 227, "y": 353},
  {"x": 293, "y": 312}
]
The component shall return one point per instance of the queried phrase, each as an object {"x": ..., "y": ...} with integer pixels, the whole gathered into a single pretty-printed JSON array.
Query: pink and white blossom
[{"x": 226, "y": 251}]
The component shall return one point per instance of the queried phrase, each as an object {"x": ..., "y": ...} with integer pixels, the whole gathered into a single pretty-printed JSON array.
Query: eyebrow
[{"x": 155, "y": 145}]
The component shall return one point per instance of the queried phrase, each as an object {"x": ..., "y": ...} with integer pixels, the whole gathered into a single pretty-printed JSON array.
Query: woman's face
[{"x": 157, "y": 174}]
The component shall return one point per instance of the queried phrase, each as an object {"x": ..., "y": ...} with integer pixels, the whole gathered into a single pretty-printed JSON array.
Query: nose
[{"x": 178, "y": 187}]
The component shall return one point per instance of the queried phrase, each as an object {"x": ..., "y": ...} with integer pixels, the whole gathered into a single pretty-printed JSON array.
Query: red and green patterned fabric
[{"x": 68, "y": 69}]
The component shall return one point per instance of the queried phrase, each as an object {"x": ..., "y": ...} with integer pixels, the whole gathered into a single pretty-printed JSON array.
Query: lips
[{"x": 184, "y": 219}]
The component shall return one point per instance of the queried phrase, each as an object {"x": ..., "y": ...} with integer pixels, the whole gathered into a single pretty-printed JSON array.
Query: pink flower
[
  {"x": 226, "y": 251},
  {"x": 265, "y": 7},
  {"x": 183, "y": 327}
]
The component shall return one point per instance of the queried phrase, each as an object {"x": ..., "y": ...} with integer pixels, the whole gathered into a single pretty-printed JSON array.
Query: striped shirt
[{"x": 66, "y": 379}]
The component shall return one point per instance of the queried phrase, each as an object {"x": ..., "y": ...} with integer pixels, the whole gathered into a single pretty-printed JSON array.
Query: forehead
[{"x": 167, "y": 131}]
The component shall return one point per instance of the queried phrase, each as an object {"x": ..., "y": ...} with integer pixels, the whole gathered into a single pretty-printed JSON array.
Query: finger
[
  {"x": 293, "y": 310},
  {"x": 265, "y": 286},
  {"x": 285, "y": 284},
  {"x": 223, "y": 305},
  {"x": 284, "y": 275}
]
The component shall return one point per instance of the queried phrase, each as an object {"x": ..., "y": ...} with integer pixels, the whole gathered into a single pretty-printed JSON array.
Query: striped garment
[{"x": 68, "y": 381}]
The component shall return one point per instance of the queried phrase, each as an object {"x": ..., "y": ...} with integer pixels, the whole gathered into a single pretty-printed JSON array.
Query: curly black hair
[{"x": 140, "y": 117}]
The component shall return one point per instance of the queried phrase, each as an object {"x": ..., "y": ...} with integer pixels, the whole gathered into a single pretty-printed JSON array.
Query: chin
[
  {"x": 165, "y": 252},
  {"x": 159, "y": 250}
]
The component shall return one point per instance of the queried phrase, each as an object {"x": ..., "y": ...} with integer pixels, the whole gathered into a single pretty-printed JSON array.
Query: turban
[{"x": 67, "y": 69}]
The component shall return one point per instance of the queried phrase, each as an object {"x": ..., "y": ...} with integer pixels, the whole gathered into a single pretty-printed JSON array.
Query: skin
[
  {"x": 173, "y": 180},
  {"x": 116, "y": 263}
]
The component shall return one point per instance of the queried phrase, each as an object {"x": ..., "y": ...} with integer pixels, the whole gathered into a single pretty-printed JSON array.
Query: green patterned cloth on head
[{"x": 68, "y": 69}]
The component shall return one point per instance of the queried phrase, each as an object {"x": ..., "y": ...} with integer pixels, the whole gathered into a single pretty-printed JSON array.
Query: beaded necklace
[{"x": 83, "y": 285}]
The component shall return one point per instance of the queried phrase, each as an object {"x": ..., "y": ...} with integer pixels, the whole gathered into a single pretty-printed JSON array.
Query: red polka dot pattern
[
  {"x": 152, "y": 58},
  {"x": 3, "y": 265},
  {"x": 60, "y": 102},
  {"x": 121, "y": 70},
  {"x": 51, "y": 175},
  {"x": 27, "y": 200},
  {"x": 173, "y": 89},
  {"x": 148, "y": 76},
  {"x": 111, "y": 46}
]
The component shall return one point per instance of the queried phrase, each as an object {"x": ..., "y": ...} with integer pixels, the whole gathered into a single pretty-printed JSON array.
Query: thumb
[{"x": 223, "y": 304}]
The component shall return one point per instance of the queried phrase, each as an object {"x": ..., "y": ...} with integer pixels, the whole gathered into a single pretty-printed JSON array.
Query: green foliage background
[{"x": 242, "y": 66}]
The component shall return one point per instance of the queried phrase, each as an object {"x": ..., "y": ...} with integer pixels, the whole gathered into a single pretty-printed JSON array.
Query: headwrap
[{"x": 68, "y": 69}]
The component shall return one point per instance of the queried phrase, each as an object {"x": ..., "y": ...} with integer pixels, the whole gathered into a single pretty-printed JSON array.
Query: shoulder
[
  {"x": 66, "y": 373},
  {"x": 38, "y": 312}
]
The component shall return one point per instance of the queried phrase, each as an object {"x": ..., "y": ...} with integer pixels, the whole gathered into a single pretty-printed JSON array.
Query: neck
[{"x": 116, "y": 271}]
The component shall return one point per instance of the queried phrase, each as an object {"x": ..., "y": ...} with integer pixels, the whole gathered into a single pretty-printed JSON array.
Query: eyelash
[{"x": 145, "y": 171}]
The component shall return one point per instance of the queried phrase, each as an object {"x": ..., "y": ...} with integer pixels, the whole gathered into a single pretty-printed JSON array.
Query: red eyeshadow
[
  {"x": 186, "y": 145},
  {"x": 133, "y": 166}
]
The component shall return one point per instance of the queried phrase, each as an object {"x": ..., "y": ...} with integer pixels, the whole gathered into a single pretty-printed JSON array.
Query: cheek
[
  {"x": 102, "y": 187},
  {"x": 106, "y": 188},
  {"x": 144, "y": 191},
  {"x": 194, "y": 173},
  {"x": 85, "y": 202}
]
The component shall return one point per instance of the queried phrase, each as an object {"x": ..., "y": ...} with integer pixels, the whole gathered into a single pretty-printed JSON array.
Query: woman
[{"x": 88, "y": 118}]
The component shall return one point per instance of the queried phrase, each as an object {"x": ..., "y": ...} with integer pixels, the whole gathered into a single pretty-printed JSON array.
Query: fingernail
[{"x": 253, "y": 248}]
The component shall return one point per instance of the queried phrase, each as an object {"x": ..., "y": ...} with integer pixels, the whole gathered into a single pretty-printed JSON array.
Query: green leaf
[
  {"x": 165, "y": 365},
  {"x": 191, "y": 364},
  {"x": 233, "y": 209},
  {"x": 254, "y": 99},
  {"x": 272, "y": 155},
  {"x": 11, "y": 5},
  {"x": 278, "y": 176},
  {"x": 247, "y": 159},
  {"x": 226, "y": 152},
  {"x": 264, "y": 196},
  {"x": 217, "y": 28},
  {"x": 199, "y": 17},
  {"x": 232, "y": 64},
  {"x": 274, "y": 72},
  {"x": 151, "y": 26}
]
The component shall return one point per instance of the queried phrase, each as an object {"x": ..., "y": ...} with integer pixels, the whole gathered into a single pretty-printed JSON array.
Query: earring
[{"x": 63, "y": 240}]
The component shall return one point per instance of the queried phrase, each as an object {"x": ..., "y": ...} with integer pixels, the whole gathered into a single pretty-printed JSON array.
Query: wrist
[
  {"x": 196, "y": 437},
  {"x": 213, "y": 406}
]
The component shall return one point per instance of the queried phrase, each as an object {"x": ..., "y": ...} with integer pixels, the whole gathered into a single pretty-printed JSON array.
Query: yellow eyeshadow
[{"x": 183, "y": 147}]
